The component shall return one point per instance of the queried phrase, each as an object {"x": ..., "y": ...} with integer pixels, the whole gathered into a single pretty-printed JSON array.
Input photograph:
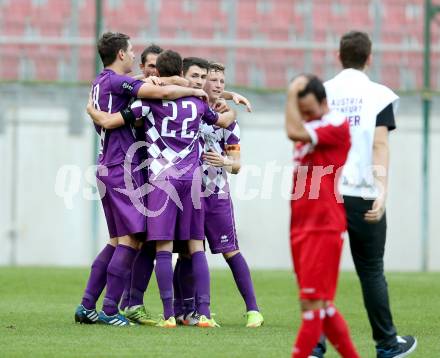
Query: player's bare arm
[
  {"x": 153, "y": 80},
  {"x": 175, "y": 80},
  {"x": 169, "y": 92},
  {"x": 165, "y": 81},
  {"x": 104, "y": 119},
  {"x": 231, "y": 162},
  {"x": 233, "y": 153},
  {"x": 226, "y": 119},
  {"x": 381, "y": 163},
  {"x": 238, "y": 99},
  {"x": 295, "y": 128}
]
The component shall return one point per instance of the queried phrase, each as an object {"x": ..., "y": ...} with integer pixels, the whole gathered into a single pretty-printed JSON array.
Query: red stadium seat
[{"x": 267, "y": 21}]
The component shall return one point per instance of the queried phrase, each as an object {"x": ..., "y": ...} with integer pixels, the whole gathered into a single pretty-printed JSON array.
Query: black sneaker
[
  {"x": 320, "y": 349},
  {"x": 405, "y": 346},
  {"x": 316, "y": 353}
]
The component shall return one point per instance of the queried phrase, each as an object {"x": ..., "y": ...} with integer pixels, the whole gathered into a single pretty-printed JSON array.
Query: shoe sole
[
  {"x": 189, "y": 323},
  {"x": 206, "y": 325},
  {"x": 256, "y": 325},
  {"x": 167, "y": 326},
  {"x": 115, "y": 325},
  {"x": 182, "y": 322},
  {"x": 142, "y": 323},
  {"x": 149, "y": 323},
  {"x": 409, "y": 351}
]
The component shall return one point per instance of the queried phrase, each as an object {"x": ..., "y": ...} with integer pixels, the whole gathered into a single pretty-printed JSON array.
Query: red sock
[
  {"x": 309, "y": 333},
  {"x": 336, "y": 330}
]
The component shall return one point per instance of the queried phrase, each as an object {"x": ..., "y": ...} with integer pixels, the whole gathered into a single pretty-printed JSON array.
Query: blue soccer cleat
[
  {"x": 84, "y": 315},
  {"x": 115, "y": 320}
]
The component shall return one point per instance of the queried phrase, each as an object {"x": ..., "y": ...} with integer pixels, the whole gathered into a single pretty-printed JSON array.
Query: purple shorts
[
  {"x": 220, "y": 223},
  {"x": 123, "y": 203},
  {"x": 172, "y": 214}
]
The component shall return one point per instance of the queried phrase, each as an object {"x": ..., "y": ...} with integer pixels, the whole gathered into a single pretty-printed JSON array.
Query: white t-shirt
[{"x": 354, "y": 95}]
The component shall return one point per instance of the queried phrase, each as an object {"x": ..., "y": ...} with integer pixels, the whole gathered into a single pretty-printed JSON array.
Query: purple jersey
[
  {"x": 214, "y": 138},
  {"x": 172, "y": 133},
  {"x": 111, "y": 93}
]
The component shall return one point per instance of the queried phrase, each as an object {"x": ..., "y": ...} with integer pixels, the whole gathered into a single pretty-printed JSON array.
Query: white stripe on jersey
[{"x": 110, "y": 103}]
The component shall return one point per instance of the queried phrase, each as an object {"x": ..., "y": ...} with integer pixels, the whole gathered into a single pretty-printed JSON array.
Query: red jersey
[{"x": 316, "y": 204}]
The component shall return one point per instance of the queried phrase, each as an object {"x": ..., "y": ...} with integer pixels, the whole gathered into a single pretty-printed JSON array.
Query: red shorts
[{"x": 316, "y": 257}]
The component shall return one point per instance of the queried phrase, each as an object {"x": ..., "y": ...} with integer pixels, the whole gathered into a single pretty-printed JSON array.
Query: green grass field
[{"x": 37, "y": 305}]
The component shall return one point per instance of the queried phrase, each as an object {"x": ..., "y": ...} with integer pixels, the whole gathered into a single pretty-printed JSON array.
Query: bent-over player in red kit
[{"x": 318, "y": 223}]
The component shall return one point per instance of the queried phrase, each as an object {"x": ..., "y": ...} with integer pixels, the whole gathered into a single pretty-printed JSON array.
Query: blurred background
[{"x": 48, "y": 145}]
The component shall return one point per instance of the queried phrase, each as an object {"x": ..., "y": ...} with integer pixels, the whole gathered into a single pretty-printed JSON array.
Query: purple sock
[
  {"x": 97, "y": 278},
  {"x": 243, "y": 280},
  {"x": 178, "y": 299},
  {"x": 117, "y": 273},
  {"x": 187, "y": 285},
  {"x": 202, "y": 282},
  {"x": 142, "y": 269},
  {"x": 164, "y": 276},
  {"x": 125, "y": 299}
]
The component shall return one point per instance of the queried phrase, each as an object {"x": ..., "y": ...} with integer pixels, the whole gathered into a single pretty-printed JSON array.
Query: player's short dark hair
[
  {"x": 354, "y": 49},
  {"x": 153, "y": 48},
  {"x": 315, "y": 87},
  {"x": 169, "y": 63},
  {"x": 217, "y": 67},
  {"x": 109, "y": 45},
  {"x": 194, "y": 61}
]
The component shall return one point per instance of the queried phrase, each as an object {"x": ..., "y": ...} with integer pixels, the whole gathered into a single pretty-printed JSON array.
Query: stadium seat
[{"x": 321, "y": 23}]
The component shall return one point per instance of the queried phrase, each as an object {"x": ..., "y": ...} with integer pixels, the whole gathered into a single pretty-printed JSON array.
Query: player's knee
[
  {"x": 311, "y": 305},
  {"x": 113, "y": 241},
  {"x": 164, "y": 246},
  {"x": 129, "y": 240},
  {"x": 195, "y": 246},
  {"x": 228, "y": 255}
]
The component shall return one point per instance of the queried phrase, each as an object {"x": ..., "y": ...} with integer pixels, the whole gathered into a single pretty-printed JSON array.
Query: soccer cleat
[
  {"x": 180, "y": 320},
  {"x": 316, "y": 355},
  {"x": 254, "y": 319},
  {"x": 139, "y": 315},
  {"x": 405, "y": 346},
  {"x": 115, "y": 320},
  {"x": 187, "y": 319},
  {"x": 203, "y": 321},
  {"x": 167, "y": 323},
  {"x": 319, "y": 350},
  {"x": 191, "y": 319},
  {"x": 83, "y": 315}
]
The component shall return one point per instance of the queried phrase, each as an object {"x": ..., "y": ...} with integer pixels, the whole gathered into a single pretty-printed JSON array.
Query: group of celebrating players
[
  {"x": 166, "y": 148},
  {"x": 168, "y": 140}
]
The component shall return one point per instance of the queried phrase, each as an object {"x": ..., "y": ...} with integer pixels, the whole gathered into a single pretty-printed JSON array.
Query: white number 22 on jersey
[{"x": 172, "y": 133}]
